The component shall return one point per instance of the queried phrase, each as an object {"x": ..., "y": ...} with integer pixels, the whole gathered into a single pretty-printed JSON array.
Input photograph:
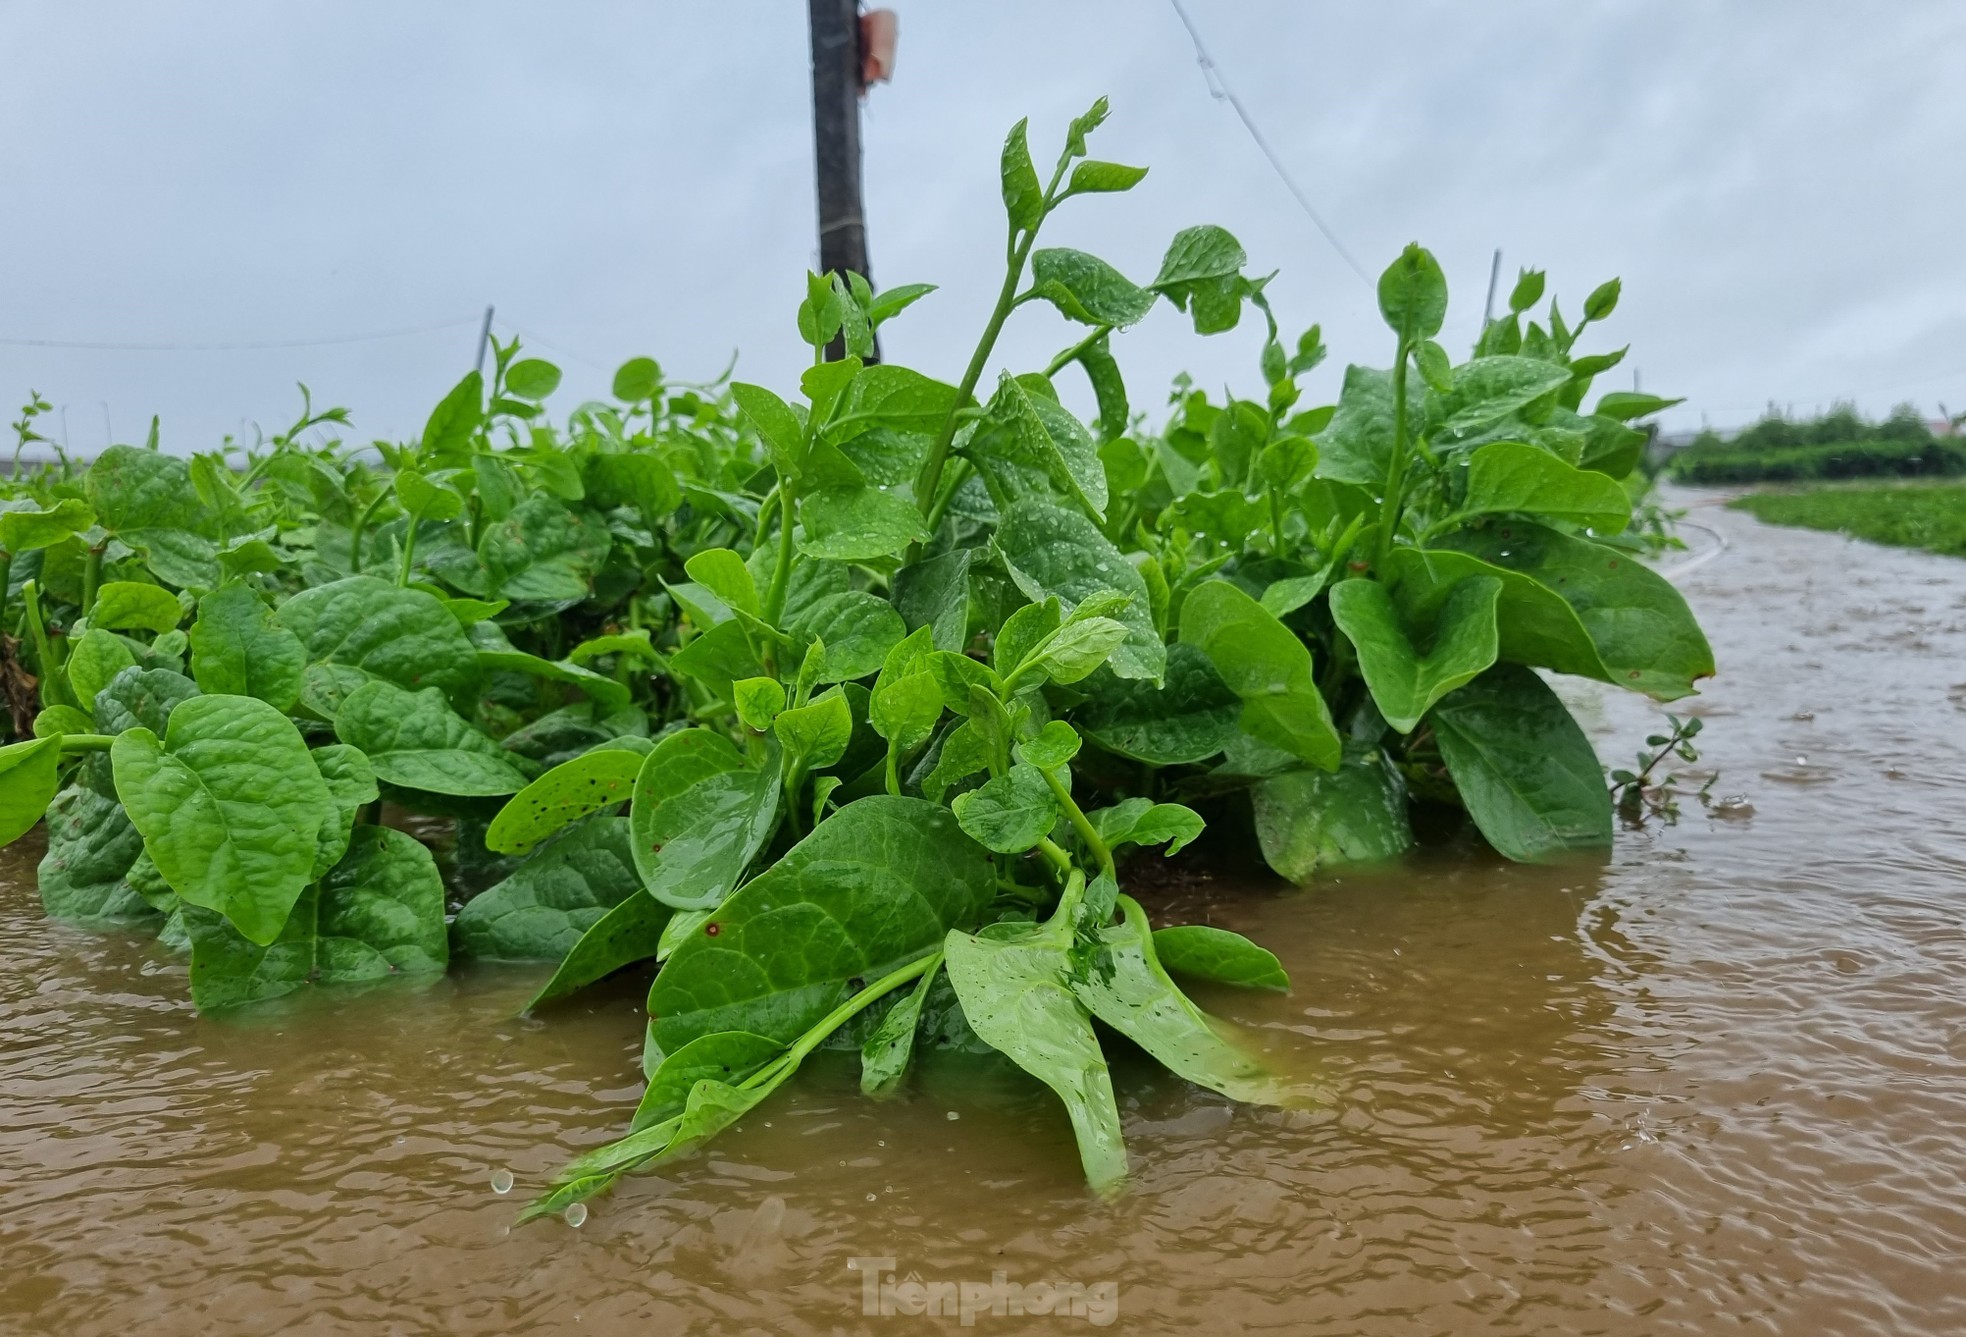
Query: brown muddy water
[{"x": 1718, "y": 1084}]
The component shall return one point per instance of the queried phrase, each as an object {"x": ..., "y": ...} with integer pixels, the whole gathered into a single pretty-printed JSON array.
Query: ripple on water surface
[{"x": 1715, "y": 1084}]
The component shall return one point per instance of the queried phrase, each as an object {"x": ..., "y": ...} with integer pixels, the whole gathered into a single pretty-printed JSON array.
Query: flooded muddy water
[{"x": 1716, "y": 1084}]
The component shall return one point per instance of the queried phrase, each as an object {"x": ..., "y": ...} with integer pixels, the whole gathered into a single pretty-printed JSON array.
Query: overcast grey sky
[{"x": 1777, "y": 181}]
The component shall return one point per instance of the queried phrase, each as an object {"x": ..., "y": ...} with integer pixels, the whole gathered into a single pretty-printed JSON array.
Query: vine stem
[
  {"x": 362, "y": 523},
  {"x": 52, "y": 693},
  {"x": 409, "y": 553},
  {"x": 938, "y": 454},
  {"x": 1060, "y": 922},
  {"x": 1081, "y": 823},
  {"x": 1017, "y": 252},
  {"x": 1389, "y": 506},
  {"x": 91, "y": 579},
  {"x": 765, "y": 510},
  {"x": 952, "y": 482},
  {"x": 851, "y": 1008},
  {"x": 1066, "y": 358},
  {"x": 781, "y": 570}
]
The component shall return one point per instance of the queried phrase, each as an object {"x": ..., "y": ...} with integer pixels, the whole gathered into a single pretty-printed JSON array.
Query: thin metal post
[
  {"x": 1494, "y": 277},
  {"x": 484, "y": 340}
]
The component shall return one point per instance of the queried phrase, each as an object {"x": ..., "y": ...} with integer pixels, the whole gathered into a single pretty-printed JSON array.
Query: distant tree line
[{"x": 1841, "y": 443}]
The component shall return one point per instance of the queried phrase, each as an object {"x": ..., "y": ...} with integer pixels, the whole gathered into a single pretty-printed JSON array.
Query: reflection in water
[{"x": 1714, "y": 1084}]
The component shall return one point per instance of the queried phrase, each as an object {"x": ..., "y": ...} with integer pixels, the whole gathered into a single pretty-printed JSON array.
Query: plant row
[{"x": 845, "y": 703}]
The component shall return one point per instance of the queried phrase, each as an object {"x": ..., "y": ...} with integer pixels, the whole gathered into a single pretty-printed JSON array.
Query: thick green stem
[
  {"x": 1081, "y": 824},
  {"x": 252, "y": 474},
  {"x": 952, "y": 481},
  {"x": 409, "y": 553},
  {"x": 362, "y": 523},
  {"x": 848, "y": 1010},
  {"x": 1054, "y": 854},
  {"x": 72, "y": 743},
  {"x": 938, "y": 454},
  {"x": 1070, "y": 355},
  {"x": 765, "y": 509},
  {"x": 1060, "y": 922},
  {"x": 1017, "y": 252},
  {"x": 1389, "y": 506},
  {"x": 781, "y": 571},
  {"x": 91, "y": 579},
  {"x": 52, "y": 690},
  {"x": 6, "y": 575},
  {"x": 794, "y": 781}
]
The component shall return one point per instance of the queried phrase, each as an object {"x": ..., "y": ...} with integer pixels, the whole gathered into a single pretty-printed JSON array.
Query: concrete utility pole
[{"x": 836, "y": 89}]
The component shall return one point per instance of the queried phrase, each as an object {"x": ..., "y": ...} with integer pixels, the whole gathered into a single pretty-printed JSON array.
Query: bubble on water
[
  {"x": 870, "y": 1197},
  {"x": 577, "y": 1215},
  {"x": 501, "y": 1182},
  {"x": 953, "y": 1116},
  {"x": 1802, "y": 761}
]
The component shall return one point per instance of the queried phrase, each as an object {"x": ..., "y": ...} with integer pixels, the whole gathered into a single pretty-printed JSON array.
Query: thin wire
[
  {"x": 1218, "y": 88},
  {"x": 239, "y": 347},
  {"x": 553, "y": 347},
  {"x": 605, "y": 370}
]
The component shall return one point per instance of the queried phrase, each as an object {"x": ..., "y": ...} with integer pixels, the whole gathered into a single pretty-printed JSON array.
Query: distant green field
[{"x": 1931, "y": 517}]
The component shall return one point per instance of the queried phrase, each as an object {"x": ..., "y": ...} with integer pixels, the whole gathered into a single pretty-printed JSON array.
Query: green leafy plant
[
  {"x": 847, "y": 706},
  {"x": 1649, "y": 790},
  {"x": 1374, "y": 579}
]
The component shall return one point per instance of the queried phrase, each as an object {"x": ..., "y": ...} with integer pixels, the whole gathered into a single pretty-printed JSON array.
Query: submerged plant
[
  {"x": 1650, "y": 790},
  {"x": 844, "y": 707}
]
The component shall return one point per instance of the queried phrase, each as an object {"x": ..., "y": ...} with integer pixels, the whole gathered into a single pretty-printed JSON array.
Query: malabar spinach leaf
[
  {"x": 878, "y": 883},
  {"x": 544, "y": 908},
  {"x": 1016, "y": 985},
  {"x": 1404, "y": 681},
  {"x": 415, "y": 740},
  {"x": 230, "y": 805},
  {"x": 1203, "y": 952},
  {"x": 1523, "y": 766},
  {"x": 1265, "y": 664},
  {"x": 377, "y": 913},
  {"x": 700, "y": 814}
]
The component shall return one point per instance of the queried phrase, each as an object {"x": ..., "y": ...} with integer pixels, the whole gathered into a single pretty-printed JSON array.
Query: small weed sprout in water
[{"x": 1646, "y": 792}]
